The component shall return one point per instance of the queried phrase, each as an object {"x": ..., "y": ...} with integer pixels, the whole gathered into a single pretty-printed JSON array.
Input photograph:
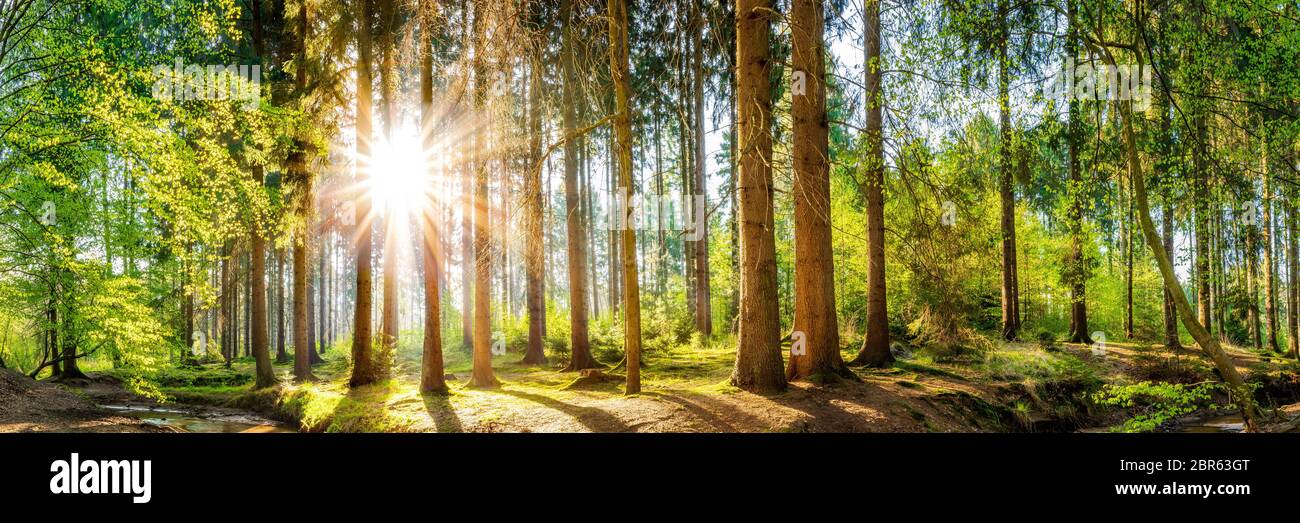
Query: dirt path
[{"x": 27, "y": 405}]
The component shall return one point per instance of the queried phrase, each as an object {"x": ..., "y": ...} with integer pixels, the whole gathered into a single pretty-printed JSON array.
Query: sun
[{"x": 400, "y": 180}]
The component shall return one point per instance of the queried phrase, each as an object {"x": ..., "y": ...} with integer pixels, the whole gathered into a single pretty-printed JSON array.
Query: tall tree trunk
[
  {"x": 1078, "y": 267},
  {"x": 1293, "y": 274},
  {"x": 1006, "y": 191},
  {"x": 261, "y": 352},
  {"x": 467, "y": 217},
  {"x": 363, "y": 368},
  {"x": 575, "y": 233},
  {"x": 1201, "y": 230},
  {"x": 615, "y": 288},
  {"x": 535, "y": 353},
  {"x": 875, "y": 346},
  {"x": 1266, "y": 237},
  {"x": 758, "y": 357},
  {"x": 1170, "y": 314},
  {"x": 387, "y": 86},
  {"x": 298, "y": 174},
  {"x": 432, "y": 377},
  {"x": 699, "y": 203},
  {"x": 280, "y": 355},
  {"x": 223, "y": 309},
  {"x": 313, "y": 288},
  {"x": 815, "y": 321},
  {"x": 248, "y": 313},
  {"x": 481, "y": 370},
  {"x": 322, "y": 313},
  {"x": 618, "y": 65},
  {"x": 1128, "y": 268},
  {"x": 301, "y": 301},
  {"x": 1252, "y": 287}
]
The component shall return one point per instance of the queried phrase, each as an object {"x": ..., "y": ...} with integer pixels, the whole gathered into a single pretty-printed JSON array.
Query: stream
[
  {"x": 1226, "y": 423},
  {"x": 199, "y": 421}
]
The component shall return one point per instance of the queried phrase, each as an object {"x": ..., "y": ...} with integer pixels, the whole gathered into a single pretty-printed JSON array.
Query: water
[
  {"x": 190, "y": 421},
  {"x": 1228, "y": 423}
]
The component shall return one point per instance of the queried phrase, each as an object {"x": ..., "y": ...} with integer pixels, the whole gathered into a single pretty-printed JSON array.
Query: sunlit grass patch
[{"x": 1017, "y": 363}]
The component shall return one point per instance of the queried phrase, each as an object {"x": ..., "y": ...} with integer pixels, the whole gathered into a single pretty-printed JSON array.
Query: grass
[
  {"x": 395, "y": 405},
  {"x": 1016, "y": 382}
]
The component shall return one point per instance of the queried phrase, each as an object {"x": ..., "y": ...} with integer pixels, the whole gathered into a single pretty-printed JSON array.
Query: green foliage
[{"x": 1155, "y": 403}]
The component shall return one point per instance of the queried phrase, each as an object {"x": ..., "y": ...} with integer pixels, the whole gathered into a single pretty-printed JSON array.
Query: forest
[{"x": 649, "y": 216}]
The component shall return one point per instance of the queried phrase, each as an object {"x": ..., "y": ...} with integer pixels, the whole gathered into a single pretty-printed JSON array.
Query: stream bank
[{"x": 102, "y": 404}]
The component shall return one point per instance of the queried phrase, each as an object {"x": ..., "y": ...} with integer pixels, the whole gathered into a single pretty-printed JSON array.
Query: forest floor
[
  {"x": 27, "y": 405},
  {"x": 1014, "y": 387}
]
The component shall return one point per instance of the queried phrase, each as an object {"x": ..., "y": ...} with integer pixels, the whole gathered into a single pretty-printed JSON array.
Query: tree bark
[
  {"x": 579, "y": 347},
  {"x": 703, "y": 296},
  {"x": 1078, "y": 267},
  {"x": 758, "y": 357},
  {"x": 387, "y": 86},
  {"x": 481, "y": 374},
  {"x": 1201, "y": 195},
  {"x": 814, "y": 282},
  {"x": 1266, "y": 236},
  {"x": 875, "y": 346},
  {"x": 534, "y": 353},
  {"x": 432, "y": 377},
  {"x": 363, "y": 370},
  {"x": 1006, "y": 191},
  {"x": 618, "y": 65},
  {"x": 280, "y": 355}
]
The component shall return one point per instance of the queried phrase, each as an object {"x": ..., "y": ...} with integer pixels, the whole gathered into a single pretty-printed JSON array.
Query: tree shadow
[
  {"x": 442, "y": 413},
  {"x": 825, "y": 416},
  {"x": 706, "y": 415},
  {"x": 713, "y": 404},
  {"x": 594, "y": 419}
]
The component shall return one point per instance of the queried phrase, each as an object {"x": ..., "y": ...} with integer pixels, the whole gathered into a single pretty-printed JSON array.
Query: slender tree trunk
[
  {"x": 387, "y": 85},
  {"x": 432, "y": 377},
  {"x": 535, "y": 353},
  {"x": 575, "y": 235},
  {"x": 1201, "y": 195},
  {"x": 1208, "y": 343},
  {"x": 313, "y": 315},
  {"x": 615, "y": 272},
  {"x": 247, "y": 303},
  {"x": 261, "y": 352},
  {"x": 1266, "y": 237},
  {"x": 875, "y": 346},
  {"x": 481, "y": 372},
  {"x": 280, "y": 355},
  {"x": 703, "y": 296},
  {"x": 1252, "y": 288},
  {"x": 299, "y": 176},
  {"x": 1293, "y": 275},
  {"x": 1128, "y": 269},
  {"x": 322, "y": 314},
  {"x": 758, "y": 357},
  {"x": 1078, "y": 270},
  {"x": 363, "y": 368},
  {"x": 301, "y": 330},
  {"x": 223, "y": 309},
  {"x": 467, "y": 218},
  {"x": 618, "y": 65},
  {"x": 1170, "y": 314},
  {"x": 1010, "y": 285}
]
